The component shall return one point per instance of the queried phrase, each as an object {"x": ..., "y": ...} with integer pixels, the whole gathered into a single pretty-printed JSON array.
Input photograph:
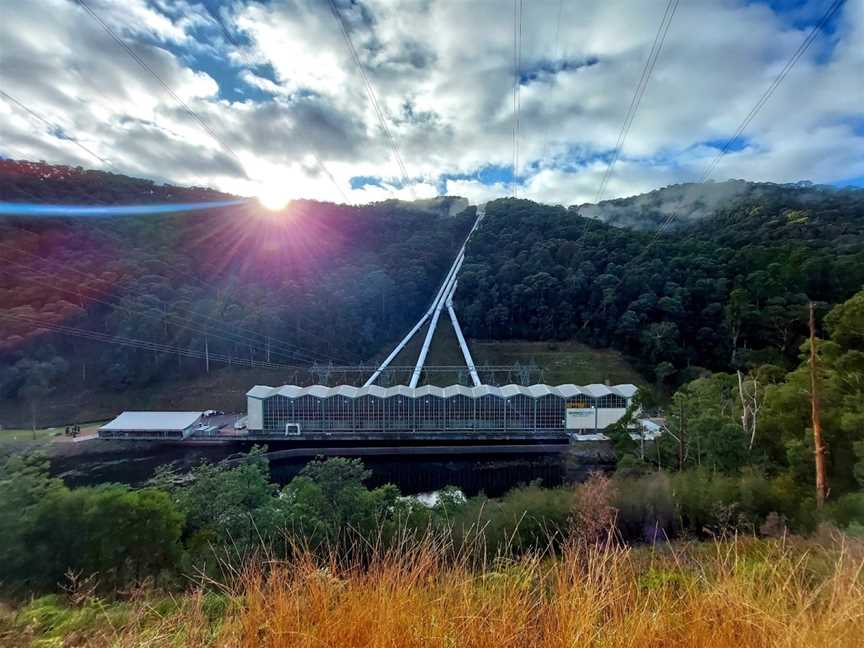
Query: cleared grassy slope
[{"x": 560, "y": 362}]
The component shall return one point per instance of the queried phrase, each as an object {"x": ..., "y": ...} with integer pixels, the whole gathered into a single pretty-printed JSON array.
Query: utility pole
[
  {"x": 206, "y": 354},
  {"x": 818, "y": 446}
]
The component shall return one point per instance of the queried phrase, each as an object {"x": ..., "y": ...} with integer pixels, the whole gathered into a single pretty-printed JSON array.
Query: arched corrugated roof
[{"x": 507, "y": 391}]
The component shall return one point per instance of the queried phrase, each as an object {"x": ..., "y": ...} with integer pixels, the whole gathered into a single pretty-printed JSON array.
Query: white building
[
  {"x": 151, "y": 425},
  {"x": 576, "y": 409}
]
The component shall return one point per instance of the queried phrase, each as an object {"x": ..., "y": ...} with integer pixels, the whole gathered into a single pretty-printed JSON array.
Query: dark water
[{"x": 493, "y": 474}]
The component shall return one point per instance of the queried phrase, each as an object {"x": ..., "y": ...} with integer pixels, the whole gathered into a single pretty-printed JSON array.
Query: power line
[
  {"x": 373, "y": 98},
  {"x": 772, "y": 87},
  {"x": 326, "y": 172},
  {"x": 654, "y": 54},
  {"x": 667, "y": 223},
  {"x": 185, "y": 106},
  {"x": 143, "y": 345},
  {"x": 290, "y": 347},
  {"x": 636, "y": 100},
  {"x": 558, "y": 30},
  {"x": 220, "y": 332},
  {"x": 176, "y": 272},
  {"x": 167, "y": 88},
  {"x": 53, "y": 127},
  {"x": 802, "y": 48},
  {"x": 517, "y": 85}
]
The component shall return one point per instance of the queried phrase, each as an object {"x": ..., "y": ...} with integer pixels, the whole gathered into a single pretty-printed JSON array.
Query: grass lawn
[
  {"x": 25, "y": 437},
  {"x": 13, "y": 438}
]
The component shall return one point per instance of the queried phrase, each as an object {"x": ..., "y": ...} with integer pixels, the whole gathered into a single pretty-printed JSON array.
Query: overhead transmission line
[
  {"x": 214, "y": 15},
  {"x": 203, "y": 284},
  {"x": 141, "y": 62},
  {"x": 204, "y": 125},
  {"x": 802, "y": 48},
  {"x": 219, "y": 330},
  {"x": 289, "y": 347},
  {"x": 653, "y": 55},
  {"x": 636, "y": 100},
  {"x": 772, "y": 87},
  {"x": 53, "y": 127},
  {"x": 143, "y": 345},
  {"x": 517, "y": 87},
  {"x": 373, "y": 98},
  {"x": 808, "y": 40},
  {"x": 326, "y": 172},
  {"x": 558, "y": 30}
]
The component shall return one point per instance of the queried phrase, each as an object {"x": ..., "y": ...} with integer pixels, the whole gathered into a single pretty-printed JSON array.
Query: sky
[{"x": 287, "y": 112}]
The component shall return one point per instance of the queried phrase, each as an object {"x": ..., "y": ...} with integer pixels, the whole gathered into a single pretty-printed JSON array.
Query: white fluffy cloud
[{"x": 280, "y": 88}]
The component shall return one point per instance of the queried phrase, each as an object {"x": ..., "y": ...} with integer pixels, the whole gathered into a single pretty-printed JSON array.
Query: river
[{"x": 493, "y": 473}]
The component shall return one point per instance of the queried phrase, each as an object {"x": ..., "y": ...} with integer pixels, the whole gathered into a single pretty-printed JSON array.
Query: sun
[{"x": 274, "y": 197}]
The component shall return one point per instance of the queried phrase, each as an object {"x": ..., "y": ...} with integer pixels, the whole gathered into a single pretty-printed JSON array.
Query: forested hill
[
  {"x": 727, "y": 291},
  {"x": 315, "y": 282},
  {"x": 321, "y": 282},
  {"x": 24, "y": 181},
  {"x": 684, "y": 204}
]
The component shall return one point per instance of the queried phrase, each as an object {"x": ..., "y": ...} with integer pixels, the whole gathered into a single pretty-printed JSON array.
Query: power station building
[{"x": 293, "y": 410}]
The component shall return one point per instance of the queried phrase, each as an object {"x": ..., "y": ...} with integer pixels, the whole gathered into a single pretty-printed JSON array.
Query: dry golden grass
[{"x": 737, "y": 594}]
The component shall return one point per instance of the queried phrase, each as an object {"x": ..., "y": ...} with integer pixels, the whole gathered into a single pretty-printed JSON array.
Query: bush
[
  {"x": 594, "y": 510},
  {"x": 847, "y": 511},
  {"x": 646, "y": 508},
  {"x": 525, "y": 518}
]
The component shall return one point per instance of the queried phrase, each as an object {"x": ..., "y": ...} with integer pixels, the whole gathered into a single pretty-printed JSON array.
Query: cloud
[{"x": 278, "y": 85}]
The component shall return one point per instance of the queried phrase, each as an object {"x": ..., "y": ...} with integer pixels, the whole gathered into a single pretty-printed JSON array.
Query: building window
[
  {"x": 430, "y": 413},
  {"x": 460, "y": 413},
  {"x": 612, "y": 401},
  {"x": 397, "y": 413},
  {"x": 550, "y": 412},
  {"x": 490, "y": 413},
  {"x": 338, "y": 413},
  {"x": 370, "y": 413},
  {"x": 520, "y": 413}
]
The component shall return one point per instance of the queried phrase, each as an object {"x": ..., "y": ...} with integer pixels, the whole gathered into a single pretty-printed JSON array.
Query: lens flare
[
  {"x": 273, "y": 197},
  {"x": 39, "y": 209}
]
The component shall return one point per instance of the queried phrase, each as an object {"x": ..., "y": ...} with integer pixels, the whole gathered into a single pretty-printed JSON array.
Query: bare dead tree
[{"x": 752, "y": 400}]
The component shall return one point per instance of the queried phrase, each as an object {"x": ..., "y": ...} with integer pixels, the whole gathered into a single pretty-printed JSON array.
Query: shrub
[
  {"x": 646, "y": 509},
  {"x": 847, "y": 511},
  {"x": 594, "y": 511}
]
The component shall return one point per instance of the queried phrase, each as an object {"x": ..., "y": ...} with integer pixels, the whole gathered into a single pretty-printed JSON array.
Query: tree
[
  {"x": 38, "y": 382},
  {"x": 328, "y": 497},
  {"x": 48, "y": 530},
  {"x": 232, "y": 505},
  {"x": 738, "y": 311}
]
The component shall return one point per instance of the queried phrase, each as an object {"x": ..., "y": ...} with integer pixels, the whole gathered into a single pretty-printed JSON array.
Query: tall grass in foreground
[{"x": 737, "y": 594}]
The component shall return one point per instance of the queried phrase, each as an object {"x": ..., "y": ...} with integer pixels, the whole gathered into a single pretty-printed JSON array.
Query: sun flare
[{"x": 273, "y": 197}]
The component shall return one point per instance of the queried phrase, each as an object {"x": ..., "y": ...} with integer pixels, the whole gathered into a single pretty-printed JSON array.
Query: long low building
[
  {"x": 293, "y": 410},
  {"x": 151, "y": 425}
]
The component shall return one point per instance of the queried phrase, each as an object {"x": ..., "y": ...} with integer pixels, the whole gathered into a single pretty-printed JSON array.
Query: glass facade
[{"x": 456, "y": 409}]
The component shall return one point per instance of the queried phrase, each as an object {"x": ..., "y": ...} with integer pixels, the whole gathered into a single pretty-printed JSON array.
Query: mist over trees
[{"x": 727, "y": 292}]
